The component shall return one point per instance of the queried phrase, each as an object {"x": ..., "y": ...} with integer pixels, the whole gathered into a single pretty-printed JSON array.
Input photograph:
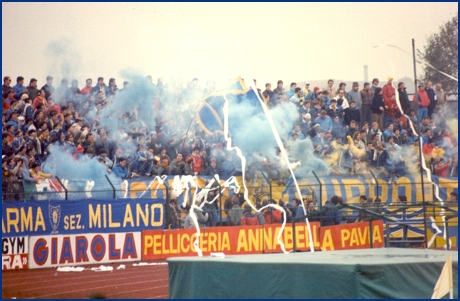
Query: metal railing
[{"x": 389, "y": 221}]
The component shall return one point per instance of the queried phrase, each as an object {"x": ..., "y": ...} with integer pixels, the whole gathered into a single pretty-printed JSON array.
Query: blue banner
[
  {"x": 32, "y": 218},
  {"x": 350, "y": 188}
]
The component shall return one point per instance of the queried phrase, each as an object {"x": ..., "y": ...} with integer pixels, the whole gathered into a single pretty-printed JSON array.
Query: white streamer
[
  {"x": 278, "y": 141},
  {"x": 160, "y": 182},
  {"x": 228, "y": 139},
  {"x": 438, "y": 231},
  {"x": 420, "y": 62},
  {"x": 422, "y": 158}
]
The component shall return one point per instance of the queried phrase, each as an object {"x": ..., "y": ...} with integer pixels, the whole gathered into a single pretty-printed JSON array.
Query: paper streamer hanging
[
  {"x": 420, "y": 62},
  {"x": 422, "y": 158}
]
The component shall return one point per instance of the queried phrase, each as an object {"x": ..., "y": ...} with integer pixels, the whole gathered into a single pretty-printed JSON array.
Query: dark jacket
[
  {"x": 377, "y": 102},
  {"x": 351, "y": 114},
  {"x": 404, "y": 100},
  {"x": 338, "y": 112},
  {"x": 380, "y": 160}
]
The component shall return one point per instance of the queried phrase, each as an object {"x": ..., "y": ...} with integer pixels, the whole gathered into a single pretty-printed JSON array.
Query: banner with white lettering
[
  {"x": 64, "y": 250},
  {"x": 14, "y": 253},
  {"x": 81, "y": 216}
]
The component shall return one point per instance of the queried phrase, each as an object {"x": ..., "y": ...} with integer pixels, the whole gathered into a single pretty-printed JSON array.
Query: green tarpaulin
[{"x": 372, "y": 273}]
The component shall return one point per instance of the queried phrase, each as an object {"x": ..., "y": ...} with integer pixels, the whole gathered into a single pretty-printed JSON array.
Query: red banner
[
  {"x": 352, "y": 236},
  {"x": 161, "y": 244},
  {"x": 15, "y": 262},
  {"x": 271, "y": 232}
]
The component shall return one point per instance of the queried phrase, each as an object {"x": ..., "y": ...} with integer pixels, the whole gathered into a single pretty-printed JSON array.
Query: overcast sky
[{"x": 218, "y": 41}]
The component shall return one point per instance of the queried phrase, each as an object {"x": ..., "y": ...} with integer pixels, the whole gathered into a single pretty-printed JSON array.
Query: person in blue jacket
[
  {"x": 332, "y": 215},
  {"x": 120, "y": 169}
]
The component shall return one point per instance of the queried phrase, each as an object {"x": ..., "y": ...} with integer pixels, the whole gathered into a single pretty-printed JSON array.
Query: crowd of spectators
[{"x": 353, "y": 131}]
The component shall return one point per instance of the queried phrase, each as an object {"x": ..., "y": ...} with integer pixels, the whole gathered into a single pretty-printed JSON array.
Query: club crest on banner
[{"x": 55, "y": 217}]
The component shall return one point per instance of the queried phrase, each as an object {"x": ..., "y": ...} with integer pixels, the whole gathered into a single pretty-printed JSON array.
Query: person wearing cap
[
  {"x": 388, "y": 89},
  {"x": 315, "y": 92},
  {"x": 297, "y": 98},
  {"x": 423, "y": 101},
  {"x": 307, "y": 93},
  {"x": 405, "y": 138},
  {"x": 305, "y": 124},
  {"x": 355, "y": 95}
]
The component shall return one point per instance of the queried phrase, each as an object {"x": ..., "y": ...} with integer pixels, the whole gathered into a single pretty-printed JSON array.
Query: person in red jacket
[
  {"x": 271, "y": 212},
  {"x": 391, "y": 108},
  {"x": 388, "y": 90},
  {"x": 249, "y": 218},
  {"x": 423, "y": 101},
  {"x": 198, "y": 163},
  {"x": 440, "y": 169}
]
